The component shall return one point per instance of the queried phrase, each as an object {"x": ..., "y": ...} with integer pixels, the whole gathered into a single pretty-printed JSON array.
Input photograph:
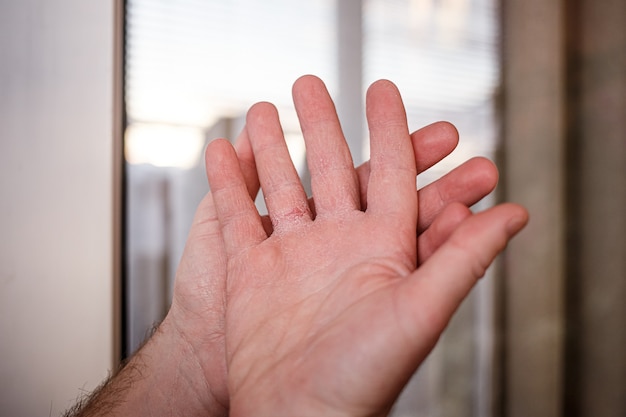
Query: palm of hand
[{"x": 303, "y": 315}]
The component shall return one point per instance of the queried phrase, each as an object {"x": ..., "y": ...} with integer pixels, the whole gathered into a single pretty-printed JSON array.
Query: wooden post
[
  {"x": 596, "y": 348},
  {"x": 534, "y": 147}
]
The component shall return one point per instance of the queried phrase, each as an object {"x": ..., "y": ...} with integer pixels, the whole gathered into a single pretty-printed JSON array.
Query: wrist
[{"x": 165, "y": 377}]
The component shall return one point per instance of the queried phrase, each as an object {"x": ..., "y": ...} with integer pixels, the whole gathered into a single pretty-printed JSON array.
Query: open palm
[
  {"x": 330, "y": 314},
  {"x": 327, "y": 306}
]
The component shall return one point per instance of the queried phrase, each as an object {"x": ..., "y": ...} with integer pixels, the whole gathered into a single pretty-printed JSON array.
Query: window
[{"x": 193, "y": 69}]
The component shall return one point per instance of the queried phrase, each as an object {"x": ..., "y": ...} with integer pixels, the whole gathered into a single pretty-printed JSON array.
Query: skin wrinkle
[
  {"x": 252, "y": 226},
  {"x": 296, "y": 212},
  {"x": 314, "y": 343},
  {"x": 337, "y": 204},
  {"x": 198, "y": 365},
  {"x": 279, "y": 182},
  {"x": 272, "y": 321},
  {"x": 441, "y": 200},
  {"x": 407, "y": 335},
  {"x": 380, "y": 207},
  {"x": 322, "y": 168},
  {"x": 299, "y": 358},
  {"x": 329, "y": 300},
  {"x": 201, "y": 288},
  {"x": 330, "y": 163},
  {"x": 427, "y": 319},
  {"x": 206, "y": 205},
  {"x": 240, "y": 349},
  {"x": 474, "y": 258},
  {"x": 440, "y": 229}
]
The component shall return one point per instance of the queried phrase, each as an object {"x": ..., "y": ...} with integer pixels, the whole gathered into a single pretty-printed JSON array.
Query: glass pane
[
  {"x": 192, "y": 70},
  {"x": 443, "y": 55}
]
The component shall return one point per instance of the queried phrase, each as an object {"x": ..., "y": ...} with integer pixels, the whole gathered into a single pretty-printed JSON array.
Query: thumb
[{"x": 431, "y": 295}]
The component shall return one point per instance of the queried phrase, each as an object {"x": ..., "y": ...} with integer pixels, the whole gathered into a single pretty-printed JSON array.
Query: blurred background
[{"x": 106, "y": 108}]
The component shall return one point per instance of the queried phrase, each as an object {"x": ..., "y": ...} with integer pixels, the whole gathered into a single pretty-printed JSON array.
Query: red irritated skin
[{"x": 329, "y": 304}]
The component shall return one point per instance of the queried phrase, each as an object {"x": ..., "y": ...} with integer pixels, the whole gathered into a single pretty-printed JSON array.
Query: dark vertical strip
[
  {"x": 571, "y": 370},
  {"x": 500, "y": 311},
  {"x": 597, "y": 317},
  {"x": 123, "y": 248}
]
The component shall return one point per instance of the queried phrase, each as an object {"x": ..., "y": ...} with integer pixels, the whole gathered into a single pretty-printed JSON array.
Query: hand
[
  {"x": 182, "y": 368},
  {"x": 197, "y": 312},
  {"x": 330, "y": 314}
]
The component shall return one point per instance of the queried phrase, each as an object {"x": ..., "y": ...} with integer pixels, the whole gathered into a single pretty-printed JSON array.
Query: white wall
[{"x": 56, "y": 202}]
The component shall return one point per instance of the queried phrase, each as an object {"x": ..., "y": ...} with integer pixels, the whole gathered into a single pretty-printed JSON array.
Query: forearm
[{"x": 161, "y": 379}]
